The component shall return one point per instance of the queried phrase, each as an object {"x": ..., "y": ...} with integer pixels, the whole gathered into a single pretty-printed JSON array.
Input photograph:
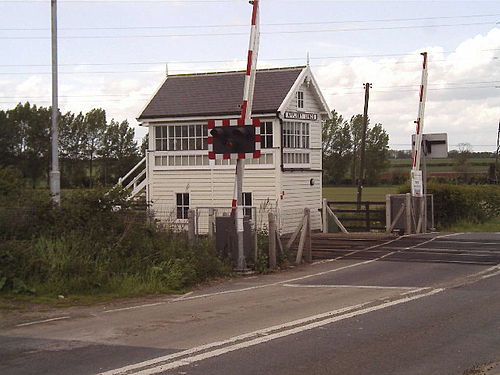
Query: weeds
[{"x": 88, "y": 247}]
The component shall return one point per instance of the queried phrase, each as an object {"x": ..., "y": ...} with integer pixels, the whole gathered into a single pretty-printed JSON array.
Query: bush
[
  {"x": 93, "y": 243},
  {"x": 459, "y": 203}
]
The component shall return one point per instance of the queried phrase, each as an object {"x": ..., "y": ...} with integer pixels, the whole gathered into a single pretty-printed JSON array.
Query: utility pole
[
  {"x": 361, "y": 178},
  {"x": 55, "y": 175}
]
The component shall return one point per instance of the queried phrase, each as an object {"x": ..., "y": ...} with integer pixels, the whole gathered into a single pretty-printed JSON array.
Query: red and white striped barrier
[{"x": 420, "y": 119}]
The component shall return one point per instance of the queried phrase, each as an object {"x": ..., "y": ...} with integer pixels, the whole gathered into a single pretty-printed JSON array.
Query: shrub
[
  {"x": 458, "y": 203},
  {"x": 93, "y": 243}
]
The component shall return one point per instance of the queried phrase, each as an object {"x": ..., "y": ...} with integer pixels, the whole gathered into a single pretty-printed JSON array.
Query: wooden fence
[{"x": 370, "y": 217}]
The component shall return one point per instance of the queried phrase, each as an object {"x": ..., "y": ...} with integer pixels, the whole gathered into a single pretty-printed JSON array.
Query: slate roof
[{"x": 219, "y": 94}]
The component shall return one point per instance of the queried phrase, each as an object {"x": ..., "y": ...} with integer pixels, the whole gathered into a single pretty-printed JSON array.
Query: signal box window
[
  {"x": 266, "y": 134},
  {"x": 182, "y": 205},
  {"x": 247, "y": 204},
  {"x": 181, "y": 138},
  {"x": 300, "y": 99}
]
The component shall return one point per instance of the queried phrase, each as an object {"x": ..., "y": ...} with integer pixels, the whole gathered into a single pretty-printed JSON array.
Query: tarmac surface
[{"x": 427, "y": 304}]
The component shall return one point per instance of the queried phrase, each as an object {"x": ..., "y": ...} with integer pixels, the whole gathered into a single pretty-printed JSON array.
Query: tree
[
  {"x": 72, "y": 145},
  {"x": 125, "y": 149},
  {"x": 462, "y": 157},
  {"x": 117, "y": 149},
  {"x": 10, "y": 140},
  {"x": 336, "y": 147},
  {"x": 31, "y": 126},
  {"x": 341, "y": 149},
  {"x": 377, "y": 153},
  {"x": 95, "y": 125}
]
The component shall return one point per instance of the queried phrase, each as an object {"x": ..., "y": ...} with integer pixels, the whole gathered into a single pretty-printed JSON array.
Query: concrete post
[
  {"x": 324, "y": 213},
  {"x": 211, "y": 222},
  {"x": 408, "y": 213},
  {"x": 387, "y": 213},
  {"x": 191, "y": 227},
  {"x": 308, "y": 245},
  {"x": 272, "y": 240}
]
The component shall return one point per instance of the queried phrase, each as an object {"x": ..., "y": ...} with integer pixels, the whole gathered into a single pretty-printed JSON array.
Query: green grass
[
  {"x": 476, "y": 165},
  {"x": 349, "y": 193},
  {"x": 463, "y": 226}
]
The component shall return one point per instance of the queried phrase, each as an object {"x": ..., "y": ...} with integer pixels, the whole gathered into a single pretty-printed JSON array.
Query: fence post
[
  {"x": 367, "y": 216},
  {"x": 324, "y": 216},
  {"x": 388, "y": 213},
  {"x": 272, "y": 240},
  {"x": 408, "y": 213},
  {"x": 308, "y": 245},
  {"x": 211, "y": 221},
  {"x": 191, "y": 227}
]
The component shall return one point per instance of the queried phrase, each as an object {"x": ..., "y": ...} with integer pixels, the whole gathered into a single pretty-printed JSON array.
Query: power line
[
  {"x": 16, "y": 98},
  {"x": 244, "y": 33},
  {"x": 245, "y": 25},
  {"x": 237, "y": 60},
  {"x": 178, "y": 71}
]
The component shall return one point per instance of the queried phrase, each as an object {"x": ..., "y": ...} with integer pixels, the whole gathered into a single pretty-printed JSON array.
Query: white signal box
[{"x": 434, "y": 146}]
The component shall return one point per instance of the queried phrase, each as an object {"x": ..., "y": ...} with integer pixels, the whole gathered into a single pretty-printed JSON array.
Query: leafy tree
[
  {"x": 32, "y": 126},
  {"x": 356, "y": 129},
  {"x": 377, "y": 153},
  {"x": 462, "y": 164},
  {"x": 125, "y": 150},
  {"x": 336, "y": 147},
  {"x": 95, "y": 125},
  {"x": 144, "y": 145},
  {"x": 10, "y": 140},
  {"x": 118, "y": 149},
  {"x": 72, "y": 146},
  {"x": 342, "y": 148}
]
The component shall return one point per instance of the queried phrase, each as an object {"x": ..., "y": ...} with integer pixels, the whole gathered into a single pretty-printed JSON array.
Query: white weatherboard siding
[
  {"x": 211, "y": 188},
  {"x": 299, "y": 194},
  {"x": 298, "y": 191},
  {"x": 311, "y": 102}
]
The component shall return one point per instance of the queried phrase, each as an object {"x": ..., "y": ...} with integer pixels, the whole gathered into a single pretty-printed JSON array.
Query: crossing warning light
[{"x": 233, "y": 139}]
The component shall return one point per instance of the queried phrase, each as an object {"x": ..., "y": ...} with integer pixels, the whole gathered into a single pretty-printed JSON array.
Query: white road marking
[
  {"x": 256, "y": 338},
  {"x": 440, "y": 250},
  {"x": 470, "y": 242},
  {"x": 350, "y": 286},
  {"x": 134, "y": 307},
  {"x": 182, "y": 297},
  {"x": 42, "y": 321},
  {"x": 232, "y": 340}
]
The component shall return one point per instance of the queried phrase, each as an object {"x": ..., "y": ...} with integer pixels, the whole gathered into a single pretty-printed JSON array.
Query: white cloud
[{"x": 462, "y": 99}]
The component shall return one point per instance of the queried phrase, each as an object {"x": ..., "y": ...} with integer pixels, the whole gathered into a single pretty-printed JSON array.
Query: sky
[{"x": 113, "y": 54}]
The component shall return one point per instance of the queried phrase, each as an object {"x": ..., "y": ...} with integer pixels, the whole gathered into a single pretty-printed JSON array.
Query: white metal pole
[
  {"x": 246, "y": 115},
  {"x": 55, "y": 176}
]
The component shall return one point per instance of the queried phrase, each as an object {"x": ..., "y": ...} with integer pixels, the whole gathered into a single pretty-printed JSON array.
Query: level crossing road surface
[{"x": 423, "y": 304}]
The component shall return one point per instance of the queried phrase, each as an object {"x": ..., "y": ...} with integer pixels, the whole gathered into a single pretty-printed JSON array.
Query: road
[{"x": 427, "y": 304}]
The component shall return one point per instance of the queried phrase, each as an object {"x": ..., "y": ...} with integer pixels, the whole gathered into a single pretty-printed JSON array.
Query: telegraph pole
[
  {"x": 55, "y": 175},
  {"x": 361, "y": 178}
]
